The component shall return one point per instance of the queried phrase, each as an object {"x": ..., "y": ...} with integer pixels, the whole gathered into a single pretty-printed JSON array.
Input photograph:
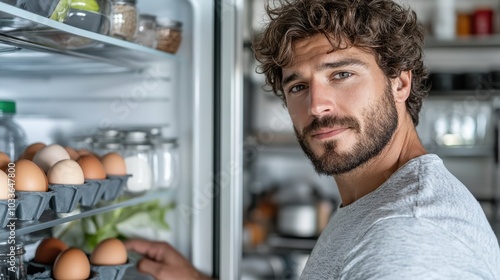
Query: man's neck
[{"x": 404, "y": 146}]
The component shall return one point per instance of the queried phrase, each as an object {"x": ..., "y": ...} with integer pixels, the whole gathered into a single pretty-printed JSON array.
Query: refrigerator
[{"x": 195, "y": 96}]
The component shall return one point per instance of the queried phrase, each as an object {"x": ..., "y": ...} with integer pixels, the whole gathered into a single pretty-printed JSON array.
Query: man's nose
[{"x": 320, "y": 99}]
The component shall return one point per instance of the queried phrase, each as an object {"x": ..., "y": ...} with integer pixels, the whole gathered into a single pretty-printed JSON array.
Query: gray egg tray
[
  {"x": 47, "y": 275},
  {"x": 5, "y": 215},
  {"x": 92, "y": 192},
  {"x": 111, "y": 272},
  {"x": 66, "y": 197},
  {"x": 116, "y": 186},
  {"x": 32, "y": 204}
]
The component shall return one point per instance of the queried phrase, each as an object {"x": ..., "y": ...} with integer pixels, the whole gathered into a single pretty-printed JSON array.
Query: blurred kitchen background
[{"x": 287, "y": 204}]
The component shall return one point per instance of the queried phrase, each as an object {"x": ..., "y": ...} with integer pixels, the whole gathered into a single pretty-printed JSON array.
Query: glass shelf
[
  {"x": 37, "y": 33},
  {"x": 492, "y": 41},
  {"x": 462, "y": 151},
  {"x": 481, "y": 94},
  {"x": 49, "y": 218}
]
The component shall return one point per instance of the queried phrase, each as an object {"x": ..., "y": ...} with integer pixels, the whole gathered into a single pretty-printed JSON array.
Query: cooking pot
[{"x": 302, "y": 211}]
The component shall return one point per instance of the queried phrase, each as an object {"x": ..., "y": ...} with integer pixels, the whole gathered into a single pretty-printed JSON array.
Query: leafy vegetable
[{"x": 146, "y": 220}]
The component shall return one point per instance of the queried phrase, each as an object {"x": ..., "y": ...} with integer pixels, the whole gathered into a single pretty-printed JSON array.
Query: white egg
[{"x": 49, "y": 155}]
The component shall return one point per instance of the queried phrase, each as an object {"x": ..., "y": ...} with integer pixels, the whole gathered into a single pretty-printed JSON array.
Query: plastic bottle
[{"x": 12, "y": 136}]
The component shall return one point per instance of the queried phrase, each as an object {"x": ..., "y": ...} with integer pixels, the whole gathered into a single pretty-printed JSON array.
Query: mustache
[{"x": 331, "y": 121}]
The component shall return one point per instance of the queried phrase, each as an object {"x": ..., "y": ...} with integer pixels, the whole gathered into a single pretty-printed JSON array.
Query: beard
[{"x": 381, "y": 121}]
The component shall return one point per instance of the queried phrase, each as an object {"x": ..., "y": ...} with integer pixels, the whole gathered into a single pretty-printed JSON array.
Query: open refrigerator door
[{"x": 73, "y": 85}]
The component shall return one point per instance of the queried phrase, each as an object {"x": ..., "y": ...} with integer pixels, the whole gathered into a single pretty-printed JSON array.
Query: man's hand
[{"x": 162, "y": 261}]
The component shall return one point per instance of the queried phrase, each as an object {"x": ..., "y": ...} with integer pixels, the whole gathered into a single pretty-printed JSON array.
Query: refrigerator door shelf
[{"x": 54, "y": 37}]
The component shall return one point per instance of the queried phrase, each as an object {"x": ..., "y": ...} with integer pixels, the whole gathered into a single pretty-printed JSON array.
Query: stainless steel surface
[
  {"x": 299, "y": 220},
  {"x": 231, "y": 162},
  {"x": 196, "y": 204}
]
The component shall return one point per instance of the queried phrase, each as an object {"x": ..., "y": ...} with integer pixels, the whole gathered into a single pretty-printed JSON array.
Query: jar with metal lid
[
  {"x": 165, "y": 163},
  {"x": 168, "y": 35},
  {"x": 11, "y": 261},
  {"x": 124, "y": 19},
  {"x": 138, "y": 154},
  {"x": 108, "y": 141},
  {"x": 146, "y": 31}
]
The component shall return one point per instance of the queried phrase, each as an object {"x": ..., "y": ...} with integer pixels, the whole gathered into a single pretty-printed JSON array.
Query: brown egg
[
  {"x": 114, "y": 164},
  {"x": 4, "y": 161},
  {"x": 82, "y": 152},
  {"x": 71, "y": 264},
  {"x": 72, "y": 153},
  {"x": 92, "y": 167},
  {"x": 48, "y": 250},
  {"x": 110, "y": 251},
  {"x": 66, "y": 171},
  {"x": 49, "y": 155},
  {"x": 4, "y": 186},
  {"x": 31, "y": 150},
  {"x": 29, "y": 177}
]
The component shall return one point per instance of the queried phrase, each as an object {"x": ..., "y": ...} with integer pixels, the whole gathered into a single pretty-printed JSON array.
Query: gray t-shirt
[{"x": 422, "y": 223}]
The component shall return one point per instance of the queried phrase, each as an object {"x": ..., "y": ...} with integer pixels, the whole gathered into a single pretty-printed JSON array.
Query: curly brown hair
[{"x": 385, "y": 28}]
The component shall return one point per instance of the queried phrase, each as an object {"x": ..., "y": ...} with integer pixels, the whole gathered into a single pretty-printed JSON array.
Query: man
[{"x": 351, "y": 75}]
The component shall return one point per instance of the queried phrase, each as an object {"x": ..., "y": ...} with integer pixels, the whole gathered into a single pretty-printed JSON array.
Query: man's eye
[
  {"x": 296, "y": 88},
  {"x": 342, "y": 75}
]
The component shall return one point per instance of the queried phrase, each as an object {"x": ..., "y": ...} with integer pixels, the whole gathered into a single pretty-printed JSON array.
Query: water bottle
[{"x": 12, "y": 136}]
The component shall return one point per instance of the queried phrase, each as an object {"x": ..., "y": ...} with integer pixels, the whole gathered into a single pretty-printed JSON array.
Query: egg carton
[
  {"x": 47, "y": 275},
  {"x": 32, "y": 204},
  {"x": 111, "y": 272},
  {"x": 105, "y": 272},
  {"x": 116, "y": 186},
  {"x": 6, "y": 213},
  {"x": 66, "y": 197},
  {"x": 93, "y": 191}
]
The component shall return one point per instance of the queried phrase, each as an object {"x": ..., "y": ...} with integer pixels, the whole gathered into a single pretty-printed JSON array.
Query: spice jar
[
  {"x": 138, "y": 154},
  {"x": 107, "y": 141},
  {"x": 146, "y": 31},
  {"x": 168, "y": 35},
  {"x": 11, "y": 261},
  {"x": 124, "y": 19},
  {"x": 165, "y": 163}
]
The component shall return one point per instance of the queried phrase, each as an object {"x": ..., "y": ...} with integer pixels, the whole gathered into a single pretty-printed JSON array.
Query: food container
[
  {"x": 165, "y": 163},
  {"x": 168, "y": 35},
  {"x": 66, "y": 197},
  {"x": 91, "y": 15},
  {"x": 7, "y": 211},
  {"x": 146, "y": 31},
  {"x": 92, "y": 192},
  {"x": 111, "y": 272},
  {"x": 54, "y": 9},
  {"x": 32, "y": 204},
  {"x": 117, "y": 184},
  {"x": 11, "y": 260},
  {"x": 124, "y": 19},
  {"x": 138, "y": 154}
]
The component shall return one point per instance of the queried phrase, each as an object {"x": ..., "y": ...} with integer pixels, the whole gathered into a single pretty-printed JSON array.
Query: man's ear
[{"x": 401, "y": 86}]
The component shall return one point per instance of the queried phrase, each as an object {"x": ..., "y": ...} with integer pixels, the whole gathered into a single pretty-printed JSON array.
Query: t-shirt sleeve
[{"x": 412, "y": 248}]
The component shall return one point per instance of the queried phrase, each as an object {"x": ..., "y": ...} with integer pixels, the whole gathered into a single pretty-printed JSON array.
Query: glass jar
[
  {"x": 146, "y": 31},
  {"x": 11, "y": 261},
  {"x": 90, "y": 15},
  {"x": 168, "y": 35},
  {"x": 124, "y": 19},
  {"x": 12, "y": 136},
  {"x": 165, "y": 163},
  {"x": 138, "y": 154},
  {"x": 107, "y": 141}
]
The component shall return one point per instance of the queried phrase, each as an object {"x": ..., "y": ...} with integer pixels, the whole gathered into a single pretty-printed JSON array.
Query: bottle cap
[{"x": 7, "y": 106}]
